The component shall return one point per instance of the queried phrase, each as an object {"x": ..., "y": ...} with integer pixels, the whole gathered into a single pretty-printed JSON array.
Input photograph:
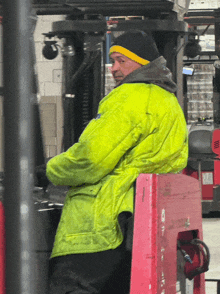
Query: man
[{"x": 140, "y": 128}]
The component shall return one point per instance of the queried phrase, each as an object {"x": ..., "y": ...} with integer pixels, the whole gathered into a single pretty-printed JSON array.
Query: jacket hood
[{"x": 155, "y": 72}]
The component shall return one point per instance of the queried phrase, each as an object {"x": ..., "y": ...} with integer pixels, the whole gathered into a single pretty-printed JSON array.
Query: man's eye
[{"x": 121, "y": 61}]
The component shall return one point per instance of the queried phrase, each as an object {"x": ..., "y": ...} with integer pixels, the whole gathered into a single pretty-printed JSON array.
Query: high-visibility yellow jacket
[{"x": 140, "y": 128}]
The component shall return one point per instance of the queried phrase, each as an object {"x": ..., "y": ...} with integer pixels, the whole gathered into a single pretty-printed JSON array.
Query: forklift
[
  {"x": 202, "y": 92},
  {"x": 169, "y": 255}
]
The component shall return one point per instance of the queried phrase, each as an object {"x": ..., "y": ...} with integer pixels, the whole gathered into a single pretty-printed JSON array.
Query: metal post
[{"x": 18, "y": 147}]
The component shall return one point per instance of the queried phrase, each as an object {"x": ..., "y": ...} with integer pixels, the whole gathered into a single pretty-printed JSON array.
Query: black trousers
[{"x": 106, "y": 272}]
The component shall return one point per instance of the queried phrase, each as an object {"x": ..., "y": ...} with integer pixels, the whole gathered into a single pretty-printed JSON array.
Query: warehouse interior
[{"x": 192, "y": 52}]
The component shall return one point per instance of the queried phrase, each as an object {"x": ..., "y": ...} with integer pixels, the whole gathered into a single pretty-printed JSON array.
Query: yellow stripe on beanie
[{"x": 128, "y": 53}]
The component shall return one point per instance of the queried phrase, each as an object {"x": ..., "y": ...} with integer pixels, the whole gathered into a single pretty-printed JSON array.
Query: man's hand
[{"x": 41, "y": 179}]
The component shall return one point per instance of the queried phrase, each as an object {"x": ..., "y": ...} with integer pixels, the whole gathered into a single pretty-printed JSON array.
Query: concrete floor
[{"x": 211, "y": 236}]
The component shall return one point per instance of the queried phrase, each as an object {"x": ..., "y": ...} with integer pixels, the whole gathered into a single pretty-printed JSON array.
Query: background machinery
[{"x": 201, "y": 90}]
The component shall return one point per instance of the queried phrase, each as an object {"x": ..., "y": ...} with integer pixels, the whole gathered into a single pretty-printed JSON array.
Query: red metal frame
[
  {"x": 207, "y": 190},
  {"x": 217, "y": 172},
  {"x": 167, "y": 207}
]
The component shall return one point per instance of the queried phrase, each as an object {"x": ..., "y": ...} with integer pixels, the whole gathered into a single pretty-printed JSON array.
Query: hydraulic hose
[{"x": 203, "y": 249}]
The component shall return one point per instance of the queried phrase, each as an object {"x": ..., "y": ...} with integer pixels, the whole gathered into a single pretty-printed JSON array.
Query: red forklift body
[{"x": 167, "y": 210}]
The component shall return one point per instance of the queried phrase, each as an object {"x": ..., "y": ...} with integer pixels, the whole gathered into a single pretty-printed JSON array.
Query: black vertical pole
[
  {"x": 218, "y": 287},
  {"x": 18, "y": 147}
]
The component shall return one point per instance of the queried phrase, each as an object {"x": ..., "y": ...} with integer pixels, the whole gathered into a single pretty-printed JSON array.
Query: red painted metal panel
[
  {"x": 216, "y": 142},
  {"x": 207, "y": 192},
  {"x": 144, "y": 255},
  {"x": 166, "y": 205},
  {"x": 2, "y": 250},
  {"x": 217, "y": 172}
]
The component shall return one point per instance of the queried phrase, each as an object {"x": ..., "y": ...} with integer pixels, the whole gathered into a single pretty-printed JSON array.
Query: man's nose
[{"x": 115, "y": 66}]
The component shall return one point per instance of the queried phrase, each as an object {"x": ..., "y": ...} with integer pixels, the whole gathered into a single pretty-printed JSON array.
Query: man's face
[{"x": 122, "y": 66}]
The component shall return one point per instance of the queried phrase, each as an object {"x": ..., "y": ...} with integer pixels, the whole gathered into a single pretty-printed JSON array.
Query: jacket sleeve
[{"x": 102, "y": 144}]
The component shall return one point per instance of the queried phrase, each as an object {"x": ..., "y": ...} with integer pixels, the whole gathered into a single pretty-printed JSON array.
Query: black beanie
[{"x": 136, "y": 45}]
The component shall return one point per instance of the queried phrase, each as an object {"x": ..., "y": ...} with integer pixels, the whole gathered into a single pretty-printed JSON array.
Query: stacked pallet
[{"x": 200, "y": 92}]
